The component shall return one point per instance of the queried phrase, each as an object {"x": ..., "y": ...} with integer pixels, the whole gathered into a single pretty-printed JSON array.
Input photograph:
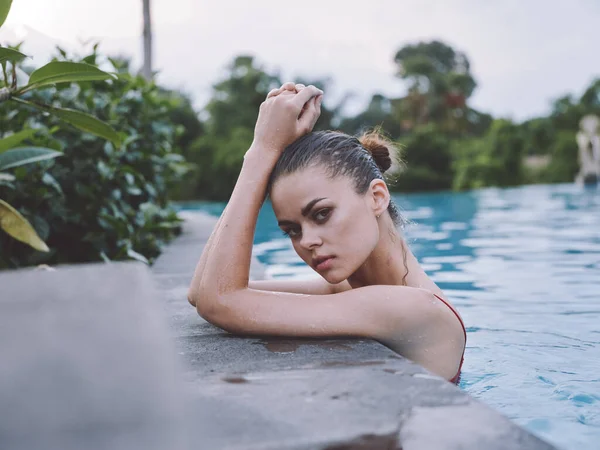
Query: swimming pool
[{"x": 523, "y": 267}]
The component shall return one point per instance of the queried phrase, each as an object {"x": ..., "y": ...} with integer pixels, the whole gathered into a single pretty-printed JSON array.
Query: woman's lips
[{"x": 325, "y": 264}]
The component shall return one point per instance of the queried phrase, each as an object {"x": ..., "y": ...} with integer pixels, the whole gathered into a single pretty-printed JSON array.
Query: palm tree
[{"x": 147, "y": 67}]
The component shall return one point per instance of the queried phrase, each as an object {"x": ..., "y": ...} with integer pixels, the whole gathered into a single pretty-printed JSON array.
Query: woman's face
[{"x": 332, "y": 228}]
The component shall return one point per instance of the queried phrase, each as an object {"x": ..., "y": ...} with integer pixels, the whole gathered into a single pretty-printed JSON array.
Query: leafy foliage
[
  {"x": 428, "y": 161},
  {"x": 12, "y": 222},
  {"x": 4, "y": 9},
  {"x": 440, "y": 83},
  {"x": 446, "y": 144},
  {"x": 100, "y": 201},
  {"x": 563, "y": 164},
  {"x": 493, "y": 160}
]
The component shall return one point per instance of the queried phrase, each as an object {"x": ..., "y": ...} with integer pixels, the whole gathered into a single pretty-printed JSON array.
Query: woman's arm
[
  {"x": 410, "y": 321},
  {"x": 314, "y": 286},
  {"x": 225, "y": 263}
]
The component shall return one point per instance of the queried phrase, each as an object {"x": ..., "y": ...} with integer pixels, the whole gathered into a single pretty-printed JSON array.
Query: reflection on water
[{"x": 523, "y": 267}]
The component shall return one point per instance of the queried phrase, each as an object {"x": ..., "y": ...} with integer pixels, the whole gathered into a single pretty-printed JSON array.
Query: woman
[{"x": 329, "y": 197}]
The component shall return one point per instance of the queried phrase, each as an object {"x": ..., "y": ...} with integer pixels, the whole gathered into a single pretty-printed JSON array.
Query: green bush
[
  {"x": 98, "y": 201},
  {"x": 564, "y": 163},
  {"x": 426, "y": 154},
  {"x": 494, "y": 160}
]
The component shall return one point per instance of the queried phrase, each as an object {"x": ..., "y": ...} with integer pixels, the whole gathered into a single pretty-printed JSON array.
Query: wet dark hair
[{"x": 362, "y": 159}]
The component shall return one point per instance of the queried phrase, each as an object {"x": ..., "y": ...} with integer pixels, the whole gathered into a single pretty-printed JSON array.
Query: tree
[
  {"x": 590, "y": 100},
  {"x": 428, "y": 161},
  {"x": 494, "y": 160},
  {"x": 236, "y": 99},
  {"x": 566, "y": 113},
  {"x": 379, "y": 112},
  {"x": 564, "y": 164},
  {"x": 147, "y": 40},
  {"x": 440, "y": 82},
  {"x": 539, "y": 135}
]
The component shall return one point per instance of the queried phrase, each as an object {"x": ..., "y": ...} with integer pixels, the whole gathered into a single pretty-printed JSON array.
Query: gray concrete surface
[{"x": 87, "y": 361}]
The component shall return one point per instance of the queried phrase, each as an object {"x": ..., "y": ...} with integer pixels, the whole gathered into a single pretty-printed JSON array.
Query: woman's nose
[{"x": 310, "y": 239}]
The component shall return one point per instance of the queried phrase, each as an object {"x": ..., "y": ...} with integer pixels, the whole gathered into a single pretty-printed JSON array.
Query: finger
[
  {"x": 311, "y": 115},
  {"x": 306, "y": 119},
  {"x": 299, "y": 87},
  {"x": 274, "y": 92},
  {"x": 288, "y": 92},
  {"x": 306, "y": 107},
  {"x": 305, "y": 95},
  {"x": 289, "y": 86}
]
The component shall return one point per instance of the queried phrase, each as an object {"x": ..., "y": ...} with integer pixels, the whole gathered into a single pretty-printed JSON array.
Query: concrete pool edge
[{"x": 298, "y": 393}]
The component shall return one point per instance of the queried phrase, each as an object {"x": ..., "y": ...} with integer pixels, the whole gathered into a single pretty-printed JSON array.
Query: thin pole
[{"x": 147, "y": 67}]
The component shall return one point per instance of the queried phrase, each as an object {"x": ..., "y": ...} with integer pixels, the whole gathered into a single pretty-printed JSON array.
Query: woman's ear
[{"x": 379, "y": 196}]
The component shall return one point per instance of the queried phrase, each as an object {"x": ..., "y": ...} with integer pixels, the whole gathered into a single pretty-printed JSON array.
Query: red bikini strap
[{"x": 455, "y": 313}]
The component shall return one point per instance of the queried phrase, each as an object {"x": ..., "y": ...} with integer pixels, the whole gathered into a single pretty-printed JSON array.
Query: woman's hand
[{"x": 287, "y": 114}]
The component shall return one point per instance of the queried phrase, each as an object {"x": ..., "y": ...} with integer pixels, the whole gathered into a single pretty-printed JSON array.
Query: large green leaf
[
  {"x": 87, "y": 122},
  {"x": 18, "y": 227},
  {"x": 65, "y": 72},
  {"x": 4, "y": 9},
  {"x": 25, "y": 155},
  {"x": 15, "y": 139},
  {"x": 8, "y": 54},
  {"x": 78, "y": 119}
]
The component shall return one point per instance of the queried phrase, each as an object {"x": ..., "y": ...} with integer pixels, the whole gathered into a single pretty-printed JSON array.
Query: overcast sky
[{"x": 523, "y": 54}]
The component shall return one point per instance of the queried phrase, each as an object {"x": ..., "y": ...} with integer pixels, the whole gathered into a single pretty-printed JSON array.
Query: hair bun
[{"x": 380, "y": 148}]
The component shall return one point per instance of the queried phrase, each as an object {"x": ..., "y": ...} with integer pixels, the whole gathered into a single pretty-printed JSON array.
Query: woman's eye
[
  {"x": 322, "y": 214},
  {"x": 291, "y": 233}
]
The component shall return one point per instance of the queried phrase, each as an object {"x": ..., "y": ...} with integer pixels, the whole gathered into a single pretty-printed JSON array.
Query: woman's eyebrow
[
  {"x": 285, "y": 223},
  {"x": 310, "y": 205},
  {"x": 304, "y": 211}
]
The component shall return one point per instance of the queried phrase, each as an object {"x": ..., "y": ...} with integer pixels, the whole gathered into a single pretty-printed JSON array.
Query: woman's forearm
[
  {"x": 224, "y": 266},
  {"x": 199, "y": 271},
  {"x": 225, "y": 262}
]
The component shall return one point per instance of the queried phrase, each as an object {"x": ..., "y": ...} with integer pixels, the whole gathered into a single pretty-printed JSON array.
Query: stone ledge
[{"x": 87, "y": 361}]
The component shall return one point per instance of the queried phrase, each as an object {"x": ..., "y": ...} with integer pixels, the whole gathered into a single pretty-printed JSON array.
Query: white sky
[{"x": 523, "y": 54}]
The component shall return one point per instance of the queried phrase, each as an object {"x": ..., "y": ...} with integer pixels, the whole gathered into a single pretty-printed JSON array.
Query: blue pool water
[{"x": 523, "y": 267}]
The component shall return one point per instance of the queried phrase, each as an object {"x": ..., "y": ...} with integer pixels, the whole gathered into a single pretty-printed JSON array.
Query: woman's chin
[{"x": 333, "y": 277}]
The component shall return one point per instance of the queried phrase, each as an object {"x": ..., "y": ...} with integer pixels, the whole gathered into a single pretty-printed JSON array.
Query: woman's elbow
[
  {"x": 199, "y": 299},
  {"x": 208, "y": 307},
  {"x": 191, "y": 299}
]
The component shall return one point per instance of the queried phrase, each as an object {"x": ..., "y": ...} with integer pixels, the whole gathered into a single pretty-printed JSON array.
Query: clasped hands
[{"x": 288, "y": 113}]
